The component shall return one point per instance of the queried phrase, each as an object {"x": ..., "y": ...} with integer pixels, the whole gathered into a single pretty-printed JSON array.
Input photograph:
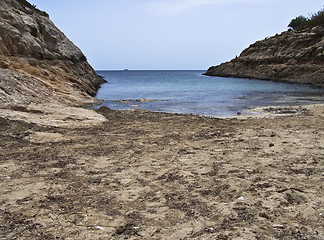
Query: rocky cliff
[
  {"x": 38, "y": 63},
  {"x": 292, "y": 56}
]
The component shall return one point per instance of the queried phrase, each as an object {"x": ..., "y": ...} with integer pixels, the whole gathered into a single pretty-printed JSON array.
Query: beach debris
[
  {"x": 99, "y": 227},
  {"x": 145, "y": 100},
  {"x": 222, "y": 237},
  {"x": 129, "y": 229},
  {"x": 210, "y": 229},
  {"x": 278, "y": 226},
  {"x": 241, "y": 198},
  {"x": 292, "y": 188},
  {"x": 286, "y": 110},
  {"x": 264, "y": 215}
]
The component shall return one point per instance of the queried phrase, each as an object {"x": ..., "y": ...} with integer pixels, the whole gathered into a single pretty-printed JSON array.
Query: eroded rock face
[
  {"x": 292, "y": 56},
  {"x": 38, "y": 62}
]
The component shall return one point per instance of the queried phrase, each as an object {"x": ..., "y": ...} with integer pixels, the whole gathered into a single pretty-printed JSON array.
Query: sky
[{"x": 170, "y": 34}]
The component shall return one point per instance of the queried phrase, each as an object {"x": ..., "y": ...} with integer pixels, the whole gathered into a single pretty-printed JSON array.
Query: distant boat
[{"x": 125, "y": 69}]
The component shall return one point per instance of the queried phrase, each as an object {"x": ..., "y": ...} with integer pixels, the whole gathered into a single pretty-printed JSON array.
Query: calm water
[{"x": 191, "y": 92}]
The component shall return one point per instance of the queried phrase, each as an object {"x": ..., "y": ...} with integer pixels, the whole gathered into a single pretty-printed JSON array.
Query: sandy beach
[
  {"x": 68, "y": 171},
  {"x": 79, "y": 174}
]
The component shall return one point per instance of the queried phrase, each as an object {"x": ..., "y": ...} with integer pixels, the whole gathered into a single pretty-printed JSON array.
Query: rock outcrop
[
  {"x": 292, "y": 56},
  {"x": 38, "y": 63}
]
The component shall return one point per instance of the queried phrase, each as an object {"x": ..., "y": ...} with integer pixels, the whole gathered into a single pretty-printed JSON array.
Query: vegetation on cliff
[
  {"x": 26, "y": 4},
  {"x": 302, "y": 22},
  {"x": 292, "y": 56}
]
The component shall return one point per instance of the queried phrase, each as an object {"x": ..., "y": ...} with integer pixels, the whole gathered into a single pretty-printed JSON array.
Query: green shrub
[
  {"x": 316, "y": 19},
  {"x": 298, "y": 23},
  {"x": 301, "y": 22}
]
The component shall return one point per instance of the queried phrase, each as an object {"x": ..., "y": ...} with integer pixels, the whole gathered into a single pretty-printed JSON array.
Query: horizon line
[{"x": 126, "y": 69}]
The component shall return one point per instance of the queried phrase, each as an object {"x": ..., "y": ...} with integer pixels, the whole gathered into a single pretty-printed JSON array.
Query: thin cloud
[{"x": 174, "y": 7}]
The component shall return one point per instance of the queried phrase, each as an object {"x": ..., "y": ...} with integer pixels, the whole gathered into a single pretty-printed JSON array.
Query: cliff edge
[
  {"x": 38, "y": 63},
  {"x": 292, "y": 56}
]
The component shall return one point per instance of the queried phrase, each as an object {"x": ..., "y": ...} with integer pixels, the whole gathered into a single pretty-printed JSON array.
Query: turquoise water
[{"x": 191, "y": 92}]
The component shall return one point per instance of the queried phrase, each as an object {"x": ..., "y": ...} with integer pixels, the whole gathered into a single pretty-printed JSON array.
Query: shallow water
[{"x": 191, "y": 92}]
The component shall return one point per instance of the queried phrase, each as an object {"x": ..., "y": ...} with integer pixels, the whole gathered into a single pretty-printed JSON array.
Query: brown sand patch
[{"x": 142, "y": 175}]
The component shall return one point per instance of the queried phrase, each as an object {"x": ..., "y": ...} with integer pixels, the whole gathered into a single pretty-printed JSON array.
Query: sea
[{"x": 190, "y": 92}]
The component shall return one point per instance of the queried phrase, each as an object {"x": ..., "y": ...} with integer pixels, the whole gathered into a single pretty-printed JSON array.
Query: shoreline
[
  {"x": 58, "y": 115},
  {"x": 271, "y": 79},
  {"x": 285, "y": 63},
  {"x": 252, "y": 111},
  {"x": 214, "y": 103},
  {"x": 84, "y": 174}
]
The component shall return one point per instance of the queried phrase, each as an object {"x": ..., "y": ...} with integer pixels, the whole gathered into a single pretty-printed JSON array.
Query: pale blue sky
[{"x": 170, "y": 34}]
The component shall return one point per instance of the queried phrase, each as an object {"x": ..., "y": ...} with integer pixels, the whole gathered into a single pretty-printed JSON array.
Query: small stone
[
  {"x": 99, "y": 227},
  {"x": 241, "y": 199},
  {"x": 264, "y": 215},
  {"x": 211, "y": 229},
  {"x": 271, "y": 145}
]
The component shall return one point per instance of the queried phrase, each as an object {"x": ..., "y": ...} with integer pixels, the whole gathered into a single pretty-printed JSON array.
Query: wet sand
[{"x": 74, "y": 174}]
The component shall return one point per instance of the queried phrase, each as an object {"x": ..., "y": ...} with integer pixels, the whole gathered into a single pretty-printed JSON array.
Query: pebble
[
  {"x": 98, "y": 227},
  {"x": 241, "y": 199},
  {"x": 211, "y": 229}
]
